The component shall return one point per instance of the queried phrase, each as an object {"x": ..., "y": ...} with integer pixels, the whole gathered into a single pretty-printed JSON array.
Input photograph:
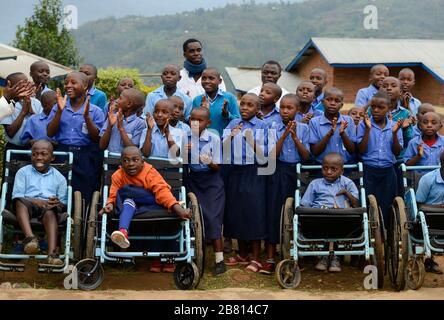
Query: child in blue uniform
[
  {"x": 407, "y": 79},
  {"x": 159, "y": 139},
  {"x": 318, "y": 77},
  {"x": 222, "y": 104},
  {"x": 332, "y": 132},
  {"x": 170, "y": 76},
  {"x": 124, "y": 128},
  {"x": 422, "y": 110},
  {"x": 306, "y": 94},
  {"x": 75, "y": 124},
  {"x": 291, "y": 148},
  {"x": 245, "y": 189},
  {"x": 97, "y": 97},
  {"x": 40, "y": 74},
  {"x": 379, "y": 143},
  {"x": 269, "y": 96},
  {"x": 377, "y": 74},
  {"x": 178, "y": 115},
  {"x": 425, "y": 150},
  {"x": 332, "y": 191},
  {"x": 35, "y": 128},
  {"x": 205, "y": 181}
]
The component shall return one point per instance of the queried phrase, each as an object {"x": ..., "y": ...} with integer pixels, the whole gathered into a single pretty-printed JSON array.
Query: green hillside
[{"x": 249, "y": 34}]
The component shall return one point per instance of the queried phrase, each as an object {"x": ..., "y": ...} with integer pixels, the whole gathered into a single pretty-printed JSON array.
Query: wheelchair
[
  {"x": 11, "y": 261},
  {"x": 307, "y": 231},
  {"x": 417, "y": 233},
  {"x": 154, "y": 226}
]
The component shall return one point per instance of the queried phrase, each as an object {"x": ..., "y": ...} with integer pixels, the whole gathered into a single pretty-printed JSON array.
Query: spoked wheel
[
  {"x": 376, "y": 229},
  {"x": 91, "y": 227},
  {"x": 286, "y": 228},
  {"x": 398, "y": 245},
  {"x": 77, "y": 226},
  {"x": 287, "y": 274},
  {"x": 89, "y": 274},
  {"x": 415, "y": 273},
  {"x": 186, "y": 276},
  {"x": 198, "y": 231}
]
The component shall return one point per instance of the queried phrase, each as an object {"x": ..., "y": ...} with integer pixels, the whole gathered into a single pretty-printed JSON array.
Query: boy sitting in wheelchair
[
  {"x": 333, "y": 191},
  {"x": 139, "y": 186},
  {"x": 431, "y": 194},
  {"x": 40, "y": 191}
]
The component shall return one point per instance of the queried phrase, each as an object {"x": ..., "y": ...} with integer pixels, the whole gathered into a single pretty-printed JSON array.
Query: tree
[{"x": 44, "y": 35}]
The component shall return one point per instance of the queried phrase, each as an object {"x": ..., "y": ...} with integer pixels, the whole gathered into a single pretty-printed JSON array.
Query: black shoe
[
  {"x": 432, "y": 266},
  {"x": 220, "y": 268}
]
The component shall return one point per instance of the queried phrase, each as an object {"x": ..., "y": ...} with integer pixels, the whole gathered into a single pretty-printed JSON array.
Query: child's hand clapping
[
  {"x": 112, "y": 117},
  {"x": 307, "y": 118},
  {"x": 421, "y": 149},
  {"x": 367, "y": 121},
  {"x": 87, "y": 106},
  {"x": 397, "y": 126},
  {"x": 61, "y": 101},
  {"x": 149, "y": 121},
  {"x": 225, "y": 113},
  {"x": 344, "y": 125}
]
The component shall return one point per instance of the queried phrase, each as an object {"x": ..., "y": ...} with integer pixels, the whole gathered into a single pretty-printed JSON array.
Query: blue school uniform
[
  {"x": 159, "y": 143},
  {"x": 316, "y": 113},
  {"x": 15, "y": 140},
  {"x": 379, "y": 173},
  {"x": 35, "y": 129},
  {"x": 317, "y": 103},
  {"x": 416, "y": 131},
  {"x": 98, "y": 98},
  {"x": 322, "y": 193},
  {"x": 273, "y": 117},
  {"x": 30, "y": 183},
  {"x": 364, "y": 95},
  {"x": 218, "y": 122},
  {"x": 184, "y": 127},
  {"x": 319, "y": 128},
  {"x": 205, "y": 183},
  {"x": 283, "y": 182},
  {"x": 414, "y": 105},
  {"x": 73, "y": 136},
  {"x": 133, "y": 126},
  {"x": 431, "y": 154},
  {"x": 245, "y": 189},
  {"x": 160, "y": 94},
  {"x": 431, "y": 188}
]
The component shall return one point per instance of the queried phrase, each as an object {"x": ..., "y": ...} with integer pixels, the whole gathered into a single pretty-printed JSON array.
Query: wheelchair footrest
[
  {"x": 48, "y": 268},
  {"x": 15, "y": 267}
]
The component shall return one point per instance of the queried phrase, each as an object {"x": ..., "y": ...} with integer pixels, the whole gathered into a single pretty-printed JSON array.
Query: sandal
[
  {"x": 254, "y": 266},
  {"x": 237, "y": 260}
]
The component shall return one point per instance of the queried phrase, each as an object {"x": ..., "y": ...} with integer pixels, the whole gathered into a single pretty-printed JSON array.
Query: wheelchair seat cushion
[
  {"x": 429, "y": 209},
  {"x": 329, "y": 212},
  {"x": 11, "y": 219}
]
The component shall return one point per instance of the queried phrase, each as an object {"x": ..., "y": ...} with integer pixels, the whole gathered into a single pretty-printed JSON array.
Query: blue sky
[{"x": 15, "y": 12}]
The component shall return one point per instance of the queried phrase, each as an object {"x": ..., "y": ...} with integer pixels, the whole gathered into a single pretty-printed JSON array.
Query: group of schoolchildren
[{"x": 192, "y": 116}]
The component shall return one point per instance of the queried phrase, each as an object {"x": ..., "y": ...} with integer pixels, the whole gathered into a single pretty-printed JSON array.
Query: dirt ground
[{"x": 138, "y": 283}]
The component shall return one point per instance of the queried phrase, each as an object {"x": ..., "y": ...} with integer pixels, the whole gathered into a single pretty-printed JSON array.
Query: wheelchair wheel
[
  {"x": 186, "y": 276},
  {"x": 376, "y": 239},
  {"x": 415, "y": 273},
  {"x": 77, "y": 226},
  {"x": 89, "y": 274},
  {"x": 287, "y": 274},
  {"x": 198, "y": 227},
  {"x": 398, "y": 246},
  {"x": 286, "y": 228},
  {"x": 91, "y": 227}
]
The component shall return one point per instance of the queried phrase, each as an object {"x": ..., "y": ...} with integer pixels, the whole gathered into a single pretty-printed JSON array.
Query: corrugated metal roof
[
  {"x": 244, "y": 79},
  {"x": 346, "y": 51},
  {"x": 15, "y": 60}
]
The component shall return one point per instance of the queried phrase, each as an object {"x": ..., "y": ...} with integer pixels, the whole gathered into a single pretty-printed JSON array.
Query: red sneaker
[
  {"x": 121, "y": 238},
  {"x": 156, "y": 267},
  {"x": 168, "y": 267}
]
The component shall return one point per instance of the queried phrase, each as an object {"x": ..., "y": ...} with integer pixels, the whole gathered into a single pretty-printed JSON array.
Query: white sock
[{"x": 219, "y": 256}]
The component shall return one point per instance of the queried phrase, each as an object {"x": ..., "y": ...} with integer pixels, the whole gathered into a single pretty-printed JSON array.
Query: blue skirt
[
  {"x": 86, "y": 169},
  {"x": 281, "y": 185},
  {"x": 382, "y": 183},
  {"x": 245, "y": 204},
  {"x": 208, "y": 187}
]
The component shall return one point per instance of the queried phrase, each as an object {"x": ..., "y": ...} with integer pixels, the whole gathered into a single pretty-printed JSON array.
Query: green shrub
[{"x": 108, "y": 78}]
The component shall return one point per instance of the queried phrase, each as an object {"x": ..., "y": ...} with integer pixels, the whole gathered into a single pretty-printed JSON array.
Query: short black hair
[
  {"x": 187, "y": 42},
  {"x": 13, "y": 77},
  {"x": 381, "y": 95},
  {"x": 334, "y": 156},
  {"x": 372, "y": 69},
  {"x": 333, "y": 90},
  {"x": 291, "y": 97},
  {"x": 204, "y": 110},
  {"x": 272, "y": 62},
  {"x": 37, "y": 64},
  {"x": 91, "y": 66}
]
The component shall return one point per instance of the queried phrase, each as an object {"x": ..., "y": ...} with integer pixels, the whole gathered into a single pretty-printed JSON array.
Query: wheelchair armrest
[{"x": 430, "y": 209}]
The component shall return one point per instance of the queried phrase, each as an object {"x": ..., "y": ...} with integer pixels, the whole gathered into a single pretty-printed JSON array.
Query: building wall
[{"x": 350, "y": 80}]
